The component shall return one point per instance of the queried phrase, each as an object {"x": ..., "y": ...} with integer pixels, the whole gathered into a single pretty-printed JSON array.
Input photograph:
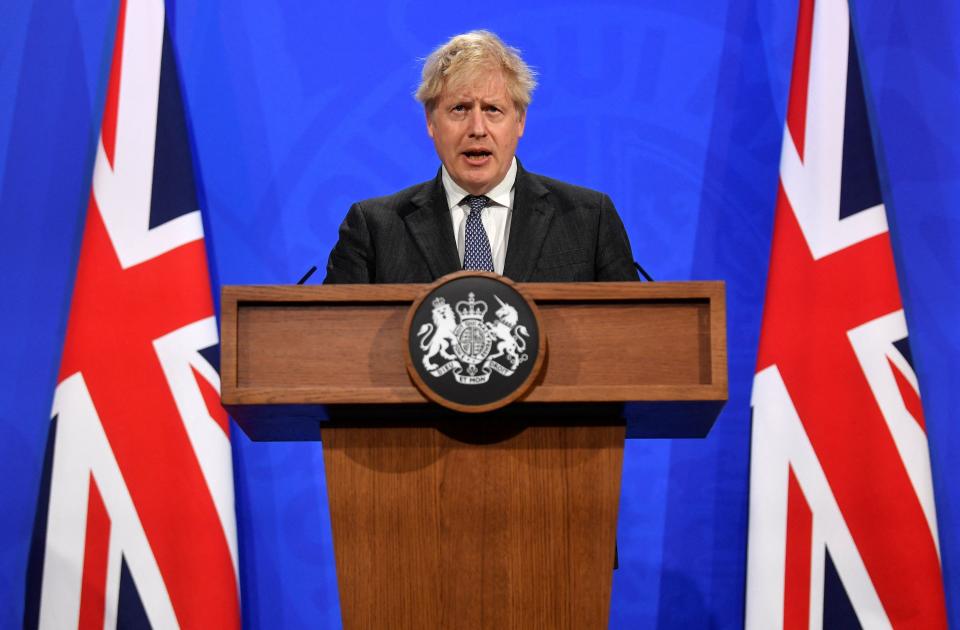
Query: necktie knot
[{"x": 476, "y": 202}]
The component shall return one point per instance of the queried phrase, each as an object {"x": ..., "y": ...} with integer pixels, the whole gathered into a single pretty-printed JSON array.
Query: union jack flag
[
  {"x": 135, "y": 522},
  {"x": 843, "y": 530}
]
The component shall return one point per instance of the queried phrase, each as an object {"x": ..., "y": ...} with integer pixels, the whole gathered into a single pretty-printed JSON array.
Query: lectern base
[{"x": 446, "y": 526}]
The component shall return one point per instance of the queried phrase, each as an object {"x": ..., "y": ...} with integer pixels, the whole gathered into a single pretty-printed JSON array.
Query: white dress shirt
[{"x": 495, "y": 217}]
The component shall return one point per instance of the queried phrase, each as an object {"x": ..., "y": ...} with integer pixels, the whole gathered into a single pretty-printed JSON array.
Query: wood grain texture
[
  {"x": 617, "y": 341},
  {"x": 228, "y": 344},
  {"x": 297, "y": 345},
  {"x": 437, "y": 531}
]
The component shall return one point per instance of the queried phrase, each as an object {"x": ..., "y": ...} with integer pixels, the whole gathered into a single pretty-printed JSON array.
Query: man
[{"x": 482, "y": 211}]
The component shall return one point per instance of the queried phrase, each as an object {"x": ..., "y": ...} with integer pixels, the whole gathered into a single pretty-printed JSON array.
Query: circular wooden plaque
[{"x": 473, "y": 342}]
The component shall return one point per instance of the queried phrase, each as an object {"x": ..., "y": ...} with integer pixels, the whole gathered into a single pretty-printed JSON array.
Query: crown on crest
[{"x": 471, "y": 308}]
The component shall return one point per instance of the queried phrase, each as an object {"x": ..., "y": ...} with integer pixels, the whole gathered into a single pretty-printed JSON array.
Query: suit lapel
[
  {"x": 429, "y": 223},
  {"x": 528, "y": 226}
]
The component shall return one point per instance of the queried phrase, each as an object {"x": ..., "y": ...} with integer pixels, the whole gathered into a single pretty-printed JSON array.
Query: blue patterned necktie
[{"x": 476, "y": 245}]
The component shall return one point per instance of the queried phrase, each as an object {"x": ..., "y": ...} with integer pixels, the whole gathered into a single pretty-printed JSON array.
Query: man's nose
[{"x": 478, "y": 123}]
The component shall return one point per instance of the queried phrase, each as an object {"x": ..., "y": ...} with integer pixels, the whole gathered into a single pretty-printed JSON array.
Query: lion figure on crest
[
  {"x": 510, "y": 336},
  {"x": 444, "y": 322}
]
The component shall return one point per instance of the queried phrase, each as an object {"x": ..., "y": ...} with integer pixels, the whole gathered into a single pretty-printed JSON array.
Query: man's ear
[
  {"x": 522, "y": 119},
  {"x": 428, "y": 112}
]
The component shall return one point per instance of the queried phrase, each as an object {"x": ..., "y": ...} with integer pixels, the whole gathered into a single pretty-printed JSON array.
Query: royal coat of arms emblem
[
  {"x": 470, "y": 347},
  {"x": 474, "y": 342}
]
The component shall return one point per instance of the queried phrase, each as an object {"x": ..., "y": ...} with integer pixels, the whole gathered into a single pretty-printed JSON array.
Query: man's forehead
[{"x": 488, "y": 86}]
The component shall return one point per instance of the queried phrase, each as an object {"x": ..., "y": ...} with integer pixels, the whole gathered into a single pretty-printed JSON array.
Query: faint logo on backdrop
[{"x": 621, "y": 53}]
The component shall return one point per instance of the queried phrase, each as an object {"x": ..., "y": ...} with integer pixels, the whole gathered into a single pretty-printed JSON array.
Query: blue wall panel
[{"x": 298, "y": 108}]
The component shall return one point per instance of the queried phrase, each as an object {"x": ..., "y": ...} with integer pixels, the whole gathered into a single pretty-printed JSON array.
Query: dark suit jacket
[{"x": 558, "y": 233}]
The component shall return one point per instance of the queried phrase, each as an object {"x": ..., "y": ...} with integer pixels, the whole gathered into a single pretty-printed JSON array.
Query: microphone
[
  {"x": 310, "y": 271},
  {"x": 635, "y": 264}
]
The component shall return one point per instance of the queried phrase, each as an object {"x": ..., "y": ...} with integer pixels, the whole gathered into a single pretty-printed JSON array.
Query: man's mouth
[{"x": 477, "y": 156}]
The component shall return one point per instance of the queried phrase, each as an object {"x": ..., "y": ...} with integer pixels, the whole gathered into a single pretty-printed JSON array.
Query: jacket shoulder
[
  {"x": 565, "y": 191},
  {"x": 396, "y": 202}
]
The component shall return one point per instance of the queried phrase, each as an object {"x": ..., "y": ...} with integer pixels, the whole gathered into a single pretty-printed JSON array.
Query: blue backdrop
[{"x": 298, "y": 108}]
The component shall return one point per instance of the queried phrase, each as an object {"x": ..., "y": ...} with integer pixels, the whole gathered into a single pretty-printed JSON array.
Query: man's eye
[{"x": 459, "y": 108}]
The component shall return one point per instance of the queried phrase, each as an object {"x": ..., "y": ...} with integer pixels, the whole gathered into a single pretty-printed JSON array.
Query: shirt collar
[{"x": 499, "y": 194}]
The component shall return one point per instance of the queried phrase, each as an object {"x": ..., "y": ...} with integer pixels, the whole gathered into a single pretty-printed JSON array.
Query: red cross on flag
[{"x": 843, "y": 530}]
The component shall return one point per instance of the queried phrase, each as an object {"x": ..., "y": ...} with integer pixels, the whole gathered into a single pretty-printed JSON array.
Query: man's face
[{"x": 475, "y": 128}]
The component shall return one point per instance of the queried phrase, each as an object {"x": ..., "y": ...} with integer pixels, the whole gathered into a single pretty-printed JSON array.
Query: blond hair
[{"x": 467, "y": 56}]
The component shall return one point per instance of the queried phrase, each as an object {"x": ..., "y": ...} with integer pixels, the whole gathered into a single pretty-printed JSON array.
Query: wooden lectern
[{"x": 498, "y": 520}]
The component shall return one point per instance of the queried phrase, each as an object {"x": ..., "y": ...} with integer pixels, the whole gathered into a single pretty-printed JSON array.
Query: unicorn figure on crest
[{"x": 510, "y": 336}]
